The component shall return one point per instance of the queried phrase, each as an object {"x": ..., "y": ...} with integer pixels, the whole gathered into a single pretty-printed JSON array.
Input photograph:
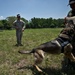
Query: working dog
[{"x": 61, "y": 44}]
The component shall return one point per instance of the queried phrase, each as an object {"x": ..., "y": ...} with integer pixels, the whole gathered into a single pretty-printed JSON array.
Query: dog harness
[{"x": 63, "y": 42}]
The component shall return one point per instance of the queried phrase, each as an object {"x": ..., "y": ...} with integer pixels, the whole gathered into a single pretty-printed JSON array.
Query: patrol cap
[
  {"x": 18, "y": 15},
  {"x": 71, "y": 2}
]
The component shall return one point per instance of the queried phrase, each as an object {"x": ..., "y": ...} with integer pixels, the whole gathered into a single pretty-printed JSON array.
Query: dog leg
[
  {"x": 37, "y": 68},
  {"x": 68, "y": 53},
  {"x": 39, "y": 55}
]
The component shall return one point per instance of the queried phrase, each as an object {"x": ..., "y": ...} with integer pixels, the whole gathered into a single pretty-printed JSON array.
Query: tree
[
  {"x": 10, "y": 20},
  {"x": 6, "y": 24},
  {"x": 33, "y": 23},
  {"x": 1, "y": 25}
]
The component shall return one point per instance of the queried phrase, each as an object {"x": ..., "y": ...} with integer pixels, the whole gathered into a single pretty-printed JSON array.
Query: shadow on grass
[{"x": 49, "y": 71}]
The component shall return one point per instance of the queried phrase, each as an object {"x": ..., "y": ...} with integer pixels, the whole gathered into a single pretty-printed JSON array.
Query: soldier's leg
[{"x": 18, "y": 37}]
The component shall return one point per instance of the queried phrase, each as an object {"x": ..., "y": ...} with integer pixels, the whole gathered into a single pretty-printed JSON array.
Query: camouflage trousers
[{"x": 19, "y": 36}]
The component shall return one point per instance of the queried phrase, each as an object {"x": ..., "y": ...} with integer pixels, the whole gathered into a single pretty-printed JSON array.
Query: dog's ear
[
  {"x": 71, "y": 31},
  {"x": 68, "y": 31},
  {"x": 64, "y": 31}
]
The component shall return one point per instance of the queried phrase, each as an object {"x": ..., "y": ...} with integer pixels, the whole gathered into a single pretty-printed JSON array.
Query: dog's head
[{"x": 67, "y": 33}]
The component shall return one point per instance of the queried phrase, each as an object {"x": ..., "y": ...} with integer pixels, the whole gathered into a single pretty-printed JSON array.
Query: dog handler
[
  {"x": 71, "y": 14},
  {"x": 19, "y": 25},
  {"x": 71, "y": 22}
]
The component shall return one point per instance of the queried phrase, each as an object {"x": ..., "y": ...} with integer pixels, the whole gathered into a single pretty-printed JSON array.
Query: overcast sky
[{"x": 34, "y": 8}]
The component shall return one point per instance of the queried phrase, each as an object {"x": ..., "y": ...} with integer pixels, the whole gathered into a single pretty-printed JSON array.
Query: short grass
[{"x": 13, "y": 63}]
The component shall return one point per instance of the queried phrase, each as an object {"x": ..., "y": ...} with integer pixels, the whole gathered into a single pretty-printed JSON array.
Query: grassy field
[{"x": 13, "y": 63}]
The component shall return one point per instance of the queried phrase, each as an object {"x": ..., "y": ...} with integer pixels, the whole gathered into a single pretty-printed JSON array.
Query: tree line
[{"x": 33, "y": 23}]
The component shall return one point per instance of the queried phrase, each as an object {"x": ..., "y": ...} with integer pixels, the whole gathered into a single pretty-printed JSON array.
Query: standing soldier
[{"x": 19, "y": 25}]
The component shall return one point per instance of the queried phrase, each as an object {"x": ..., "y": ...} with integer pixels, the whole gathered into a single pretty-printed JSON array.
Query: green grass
[{"x": 13, "y": 63}]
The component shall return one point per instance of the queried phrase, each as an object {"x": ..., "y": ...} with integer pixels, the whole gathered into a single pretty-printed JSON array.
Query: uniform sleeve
[
  {"x": 70, "y": 19},
  {"x": 14, "y": 24},
  {"x": 69, "y": 13}
]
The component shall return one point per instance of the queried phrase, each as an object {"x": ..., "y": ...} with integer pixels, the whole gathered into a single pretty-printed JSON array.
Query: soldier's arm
[
  {"x": 14, "y": 25},
  {"x": 23, "y": 26},
  {"x": 71, "y": 18}
]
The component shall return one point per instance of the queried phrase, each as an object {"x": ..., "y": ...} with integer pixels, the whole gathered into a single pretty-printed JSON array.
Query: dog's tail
[{"x": 25, "y": 52}]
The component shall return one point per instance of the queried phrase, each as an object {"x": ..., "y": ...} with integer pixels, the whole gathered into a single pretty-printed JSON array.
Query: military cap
[
  {"x": 71, "y": 2},
  {"x": 18, "y": 15}
]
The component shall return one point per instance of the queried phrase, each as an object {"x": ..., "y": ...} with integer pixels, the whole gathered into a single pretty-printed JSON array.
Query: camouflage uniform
[
  {"x": 19, "y": 25},
  {"x": 70, "y": 22},
  {"x": 71, "y": 14}
]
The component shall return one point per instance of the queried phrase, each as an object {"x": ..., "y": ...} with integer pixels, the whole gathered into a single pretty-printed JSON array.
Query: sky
[{"x": 34, "y": 8}]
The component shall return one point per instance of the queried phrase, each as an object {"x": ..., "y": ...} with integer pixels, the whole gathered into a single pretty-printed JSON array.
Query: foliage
[
  {"x": 1, "y": 25},
  {"x": 33, "y": 23},
  {"x": 8, "y": 22},
  {"x": 45, "y": 23}
]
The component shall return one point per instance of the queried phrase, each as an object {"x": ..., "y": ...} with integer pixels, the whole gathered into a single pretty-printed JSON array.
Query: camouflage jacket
[{"x": 71, "y": 13}]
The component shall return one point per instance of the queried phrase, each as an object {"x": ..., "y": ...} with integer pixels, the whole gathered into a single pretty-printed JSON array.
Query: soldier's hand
[
  {"x": 65, "y": 20},
  {"x": 22, "y": 29}
]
